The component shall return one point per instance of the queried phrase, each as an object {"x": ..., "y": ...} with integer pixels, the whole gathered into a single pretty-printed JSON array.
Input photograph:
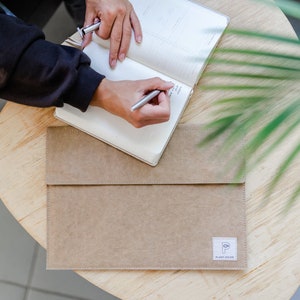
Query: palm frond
[
  {"x": 253, "y": 76},
  {"x": 254, "y": 52},
  {"x": 262, "y": 35},
  {"x": 257, "y": 82},
  {"x": 289, "y": 7},
  {"x": 283, "y": 168},
  {"x": 234, "y": 87},
  {"x": 272, "y": 126},
  {"x": 279, "y": 140},
  {"x": 292, "y": 199}
]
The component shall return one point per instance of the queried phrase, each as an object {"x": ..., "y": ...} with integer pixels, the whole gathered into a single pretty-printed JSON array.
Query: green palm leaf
[
  {"x": 258, "y": 107},
  {"x": 289, "y": 7},
  {"x": 271, "y": 127},
  {"x": 284, "y": 166}
]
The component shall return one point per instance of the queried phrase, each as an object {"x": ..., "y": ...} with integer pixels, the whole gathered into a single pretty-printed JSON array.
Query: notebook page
[
  {"x": 178, "y": 37},
  {"x": 147, "y": 143}
]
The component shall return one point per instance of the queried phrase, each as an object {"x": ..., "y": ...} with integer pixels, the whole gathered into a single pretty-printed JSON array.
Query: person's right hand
[{"x": 117, "y": 97}]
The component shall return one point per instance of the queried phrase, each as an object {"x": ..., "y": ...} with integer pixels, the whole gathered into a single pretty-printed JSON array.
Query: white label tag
[{"x": 224, "y": 248}]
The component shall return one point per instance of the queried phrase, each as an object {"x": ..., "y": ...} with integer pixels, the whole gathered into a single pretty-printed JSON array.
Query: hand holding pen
[
  {"x": 118, "y": 20},
  {"x": 118, "y": 97}
]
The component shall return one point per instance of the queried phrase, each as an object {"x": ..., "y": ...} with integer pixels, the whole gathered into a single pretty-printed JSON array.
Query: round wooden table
[{"x": 273, "y": 237}]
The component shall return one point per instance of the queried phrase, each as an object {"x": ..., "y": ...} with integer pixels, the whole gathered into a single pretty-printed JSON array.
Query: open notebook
[{"x": 178, "y": 38}]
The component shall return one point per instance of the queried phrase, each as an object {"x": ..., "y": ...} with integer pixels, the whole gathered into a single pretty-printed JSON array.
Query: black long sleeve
[{"x": 39, "y": 73}]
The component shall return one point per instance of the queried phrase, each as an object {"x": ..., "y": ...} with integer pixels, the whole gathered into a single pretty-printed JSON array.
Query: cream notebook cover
[
  {"x": 178, "y": 38},
  {"x": 107, "y": 210}
]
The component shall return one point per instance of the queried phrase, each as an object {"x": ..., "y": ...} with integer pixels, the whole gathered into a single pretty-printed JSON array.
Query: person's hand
[
  {"x": 117, "y": 97},
  {"x": 118, "y": 19}
]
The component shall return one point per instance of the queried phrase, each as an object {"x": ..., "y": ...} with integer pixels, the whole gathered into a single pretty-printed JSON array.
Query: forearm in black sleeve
[{"x": 39, "y": 73}]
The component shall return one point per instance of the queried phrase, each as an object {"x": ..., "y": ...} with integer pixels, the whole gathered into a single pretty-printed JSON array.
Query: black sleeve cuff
[{"x": 84, "y": 87}]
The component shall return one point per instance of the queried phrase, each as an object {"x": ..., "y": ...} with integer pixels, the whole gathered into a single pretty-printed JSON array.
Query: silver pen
[
  {"x": 145, "y": 100},
  {"x": 84, "y": 30}
]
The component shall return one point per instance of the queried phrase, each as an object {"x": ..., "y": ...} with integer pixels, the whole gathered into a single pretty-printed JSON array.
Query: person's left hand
[{"x": 118, "y": 19}]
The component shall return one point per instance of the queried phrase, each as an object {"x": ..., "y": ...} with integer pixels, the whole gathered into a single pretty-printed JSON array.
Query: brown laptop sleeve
[{"x": 107, "y": 210}]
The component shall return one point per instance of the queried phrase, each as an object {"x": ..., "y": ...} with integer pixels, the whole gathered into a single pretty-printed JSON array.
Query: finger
[
  {"x": 155, "y": 84},
  {"x": 163, "y": 107},
  {"x": 107, "y": 23},
  {"x": 166, "y": 86},
  {"x": 164, "y": 101},
  {"x": 160, "y": 111},
  {"x": 89, "y": 19},
  {"x": 152, "y": 114},
  {"x": 136, "y": 26},
  {"x": 126, "y": 38},
  {"x": 87, "y": 38},
  {"x": 115, "y": 41},
  {"x": 147, "y": 120}
]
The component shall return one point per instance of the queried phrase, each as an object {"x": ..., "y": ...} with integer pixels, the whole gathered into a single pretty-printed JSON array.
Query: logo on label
[{"x": 224, "y": 248}]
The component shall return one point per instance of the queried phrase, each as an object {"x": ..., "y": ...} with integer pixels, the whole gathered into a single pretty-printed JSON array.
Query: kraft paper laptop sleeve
[{"x": 107, "y": 210}]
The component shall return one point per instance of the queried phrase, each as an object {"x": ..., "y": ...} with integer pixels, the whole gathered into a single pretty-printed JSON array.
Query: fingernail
[
  {"x": 113, "y": 63},
  {"x": 139, "y": 39},
  {"x": 122, "y": 57}
]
